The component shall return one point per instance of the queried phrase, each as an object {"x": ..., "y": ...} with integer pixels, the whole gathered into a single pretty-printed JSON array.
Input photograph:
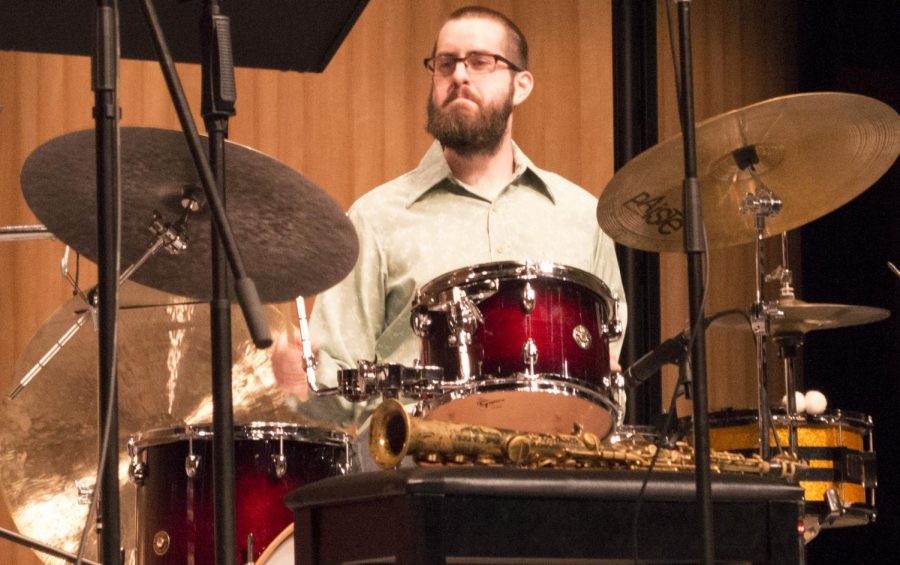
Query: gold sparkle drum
[
  {"x": 523, "y": 346},
  {"x": 839, "y": 485}
]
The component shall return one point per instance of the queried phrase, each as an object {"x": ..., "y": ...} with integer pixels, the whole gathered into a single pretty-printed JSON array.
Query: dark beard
[{"x": 478, "y": 135}]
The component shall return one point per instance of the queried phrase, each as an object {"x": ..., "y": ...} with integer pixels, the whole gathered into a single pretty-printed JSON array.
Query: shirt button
[{"x": 501, "y": 249}]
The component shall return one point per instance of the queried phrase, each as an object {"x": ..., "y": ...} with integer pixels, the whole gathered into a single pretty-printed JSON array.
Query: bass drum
[
  {"x": 172, "y": 468},
  {"x": 839, "y": 484},
  {"x": 523, "y": 346},
  {"x": 281, "y": 550}
]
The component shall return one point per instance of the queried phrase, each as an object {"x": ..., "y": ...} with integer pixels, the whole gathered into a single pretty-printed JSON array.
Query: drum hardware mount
[{"x": 168, "y": 236}]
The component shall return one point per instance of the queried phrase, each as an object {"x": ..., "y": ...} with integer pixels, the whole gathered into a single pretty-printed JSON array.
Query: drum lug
[
  {"x": 421, "y": 323},
  {"x": 191, "y": 465},
  {"x": 528, "y": 298},
  {"x": 192, "y": 461},
  {"x": 613, "y": 328},
  {"x": 279, "y": 464},
  {"x": 279, "y": 461},
  {"x": 529, "y": 355},
  {"x": 137, "y": 471}
]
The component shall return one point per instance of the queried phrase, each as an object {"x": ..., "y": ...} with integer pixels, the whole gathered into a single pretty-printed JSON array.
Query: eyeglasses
[{"x": 476, "y": 63}]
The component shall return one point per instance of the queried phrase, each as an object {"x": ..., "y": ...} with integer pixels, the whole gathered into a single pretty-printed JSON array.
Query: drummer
[{"x": 475, "y": 197}]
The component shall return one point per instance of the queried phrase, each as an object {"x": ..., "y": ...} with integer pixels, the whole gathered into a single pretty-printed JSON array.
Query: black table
[{"x": 498, "y": 515}]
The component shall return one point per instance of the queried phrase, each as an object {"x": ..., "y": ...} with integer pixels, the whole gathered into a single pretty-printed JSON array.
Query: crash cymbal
[
  {"x": 294, "y": 238},
  {"x": 815, "y": 151},
  {"x": 799, "y": 317},
  {"x": 49, "y": 433}
]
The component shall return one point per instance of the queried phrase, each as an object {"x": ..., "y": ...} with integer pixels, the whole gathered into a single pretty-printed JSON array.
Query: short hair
[{"x": 516, "y": 41}]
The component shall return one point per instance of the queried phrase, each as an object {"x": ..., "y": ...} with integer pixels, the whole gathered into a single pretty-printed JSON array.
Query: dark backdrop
[{"x": 854, "y": 46}]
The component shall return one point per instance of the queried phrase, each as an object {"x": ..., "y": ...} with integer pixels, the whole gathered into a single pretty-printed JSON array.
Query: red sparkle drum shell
[
  {"x": 175, "y": 513},
  {"x": 567, "y": 324}
]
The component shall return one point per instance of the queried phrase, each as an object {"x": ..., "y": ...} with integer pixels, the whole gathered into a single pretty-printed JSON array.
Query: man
[{"x": 474, "y": 198}]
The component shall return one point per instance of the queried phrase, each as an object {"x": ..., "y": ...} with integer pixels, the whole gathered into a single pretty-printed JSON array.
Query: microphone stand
[
  {"x": 220, "y": 325},
  {"x": 217, "y": 106},
  {"x": 105, "y": 82},
  {"x": 695, "y": 248}
]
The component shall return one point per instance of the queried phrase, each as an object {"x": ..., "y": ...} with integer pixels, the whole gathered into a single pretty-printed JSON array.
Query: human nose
[{"x": 460, "y": 74}]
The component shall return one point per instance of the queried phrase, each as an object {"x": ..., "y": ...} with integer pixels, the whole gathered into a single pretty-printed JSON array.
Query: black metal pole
[
  {"x": 245, "y": 289},
  {"x": 695, "y": 247},
  {"x": 217, "y": 106},
  {"x": 106, "y": 117}
]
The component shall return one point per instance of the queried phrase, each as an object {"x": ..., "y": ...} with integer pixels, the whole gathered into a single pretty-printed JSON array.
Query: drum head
[
  {"x": 281, "y": 550},
  {"x": 547, "y": 405}
]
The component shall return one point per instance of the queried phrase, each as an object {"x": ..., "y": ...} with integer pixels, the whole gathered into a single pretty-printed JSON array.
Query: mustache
[{"x": 469, "y": 95}]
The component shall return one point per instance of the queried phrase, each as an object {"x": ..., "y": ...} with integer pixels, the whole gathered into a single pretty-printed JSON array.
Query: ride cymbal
[
  {"x": 815, "y": 151},
  {"x": 294, "y": 238}
]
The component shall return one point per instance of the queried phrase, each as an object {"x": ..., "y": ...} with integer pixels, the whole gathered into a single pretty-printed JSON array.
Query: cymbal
[
  {"x": 49, "y": 434},
  {"x": 799, "y": 317},
  {"x": 293, "y": 237},
  {"x": 816, "y": 152}
]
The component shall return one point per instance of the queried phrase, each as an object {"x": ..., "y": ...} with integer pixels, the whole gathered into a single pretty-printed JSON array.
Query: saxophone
[{"x": 395, "y": 434}]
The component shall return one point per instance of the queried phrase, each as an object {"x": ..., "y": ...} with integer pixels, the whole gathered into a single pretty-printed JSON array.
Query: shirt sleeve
[
  {"x": 606, "y": 267},
  {"x": 345, "y": 323}
]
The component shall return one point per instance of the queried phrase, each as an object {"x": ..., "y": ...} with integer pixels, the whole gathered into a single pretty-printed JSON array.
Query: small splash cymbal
[{"x": 799, "y": 317}]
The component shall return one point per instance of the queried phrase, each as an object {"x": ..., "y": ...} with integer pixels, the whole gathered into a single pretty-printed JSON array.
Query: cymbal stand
[
  {"x": 763, "y": 204},
  {"x": 170, "y": 237},
  {"x": 788, "y": 345}
]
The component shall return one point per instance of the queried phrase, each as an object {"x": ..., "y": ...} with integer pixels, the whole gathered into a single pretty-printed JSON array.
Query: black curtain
[
  {"x": 851, "y": 46},
  {"x": 635, "y": 129}
]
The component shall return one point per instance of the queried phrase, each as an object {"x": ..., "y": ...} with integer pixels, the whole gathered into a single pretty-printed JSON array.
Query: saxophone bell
[{"x": 389, "y": 437}]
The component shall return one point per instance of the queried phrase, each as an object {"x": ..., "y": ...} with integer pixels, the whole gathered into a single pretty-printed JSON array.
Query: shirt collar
[{"x": 434, "y": 173}]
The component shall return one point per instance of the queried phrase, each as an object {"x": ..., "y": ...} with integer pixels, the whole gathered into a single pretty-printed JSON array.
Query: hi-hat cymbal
[
  {"x": 294, "y": 238},
  {"x": 815, "y": 151},
  {"x": 49, "y": 433},
  {"x": 799, "y": 317}
]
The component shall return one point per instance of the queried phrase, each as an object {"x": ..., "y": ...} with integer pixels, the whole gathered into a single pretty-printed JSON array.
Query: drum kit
[{"x": 516, "y": 345}]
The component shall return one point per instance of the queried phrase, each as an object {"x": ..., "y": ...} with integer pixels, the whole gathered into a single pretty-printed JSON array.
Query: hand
[
  {"x": 614, "y": 363},
  {"x": 288, "y": 365}
]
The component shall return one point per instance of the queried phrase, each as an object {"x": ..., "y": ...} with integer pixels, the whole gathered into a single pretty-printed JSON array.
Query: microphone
[{"x": 669, "y": 351}]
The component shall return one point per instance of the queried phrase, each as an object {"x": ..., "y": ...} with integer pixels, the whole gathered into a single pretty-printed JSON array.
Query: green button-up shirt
[{"x": 427, "y": 223}]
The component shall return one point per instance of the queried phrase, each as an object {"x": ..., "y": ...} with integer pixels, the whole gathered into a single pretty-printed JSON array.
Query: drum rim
[
  {"x": 745, "y": 416},
  {"x": 428, "y": 295},
  {"x": 570, "y": 387},
  {"x": 255, "y": 430}
]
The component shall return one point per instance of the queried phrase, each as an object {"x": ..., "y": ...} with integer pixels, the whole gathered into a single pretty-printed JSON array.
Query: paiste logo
[{"x": 656, "y": 212}]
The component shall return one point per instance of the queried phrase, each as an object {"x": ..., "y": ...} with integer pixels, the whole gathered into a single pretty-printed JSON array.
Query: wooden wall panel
[
  {"x": 743, "y": 52},
  {"x": 356, "y": 125}
]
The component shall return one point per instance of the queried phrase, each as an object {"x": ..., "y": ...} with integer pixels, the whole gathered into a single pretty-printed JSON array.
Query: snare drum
[
  {"x": 523, "y": 346},
  {"x": 836, "y": 445},
  {"x": 172, "y": 469}
]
